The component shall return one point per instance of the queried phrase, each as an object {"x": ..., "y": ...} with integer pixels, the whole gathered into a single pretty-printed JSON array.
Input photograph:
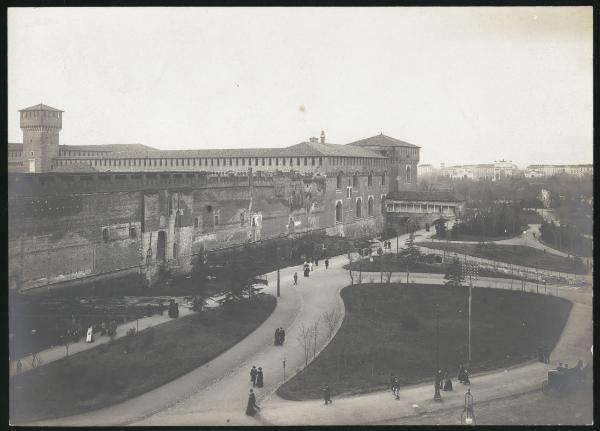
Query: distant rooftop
[
  {"x": 382, "y": 140},
  {"x": 41, "y": 107},
  {"x": 410, "y": 195}
]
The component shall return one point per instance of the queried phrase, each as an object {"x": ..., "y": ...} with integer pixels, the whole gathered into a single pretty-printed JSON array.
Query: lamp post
[
  {"x": 468, "y": 413},
  {"x": 471, "y": 269},
  {"x": 437, "y": 396}
]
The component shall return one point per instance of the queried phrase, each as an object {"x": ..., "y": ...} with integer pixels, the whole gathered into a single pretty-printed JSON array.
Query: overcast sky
[{"x": 468, "y": 85}]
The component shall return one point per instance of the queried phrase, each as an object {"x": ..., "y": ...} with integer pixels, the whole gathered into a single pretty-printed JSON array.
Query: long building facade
[{"x": 79, "y": 213}]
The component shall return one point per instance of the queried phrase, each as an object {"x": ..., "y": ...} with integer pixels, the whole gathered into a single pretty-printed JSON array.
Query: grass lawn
[
  {"x": 130, "y": 366},
  {"x": 476, "y": 238},
  {"x": 376, "y": 337},
  {"x": 397, "y": 266},
  {"x": 513, "y": 254}
]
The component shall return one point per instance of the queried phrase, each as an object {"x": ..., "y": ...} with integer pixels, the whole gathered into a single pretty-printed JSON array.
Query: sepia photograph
[{"x": 279, "y": 216}]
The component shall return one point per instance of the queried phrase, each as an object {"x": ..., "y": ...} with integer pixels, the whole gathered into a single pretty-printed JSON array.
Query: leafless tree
[
  {"x": 304, "y": 338},
  {"x": 331, "y": 319},
  {"x": 315, "y": 334}
]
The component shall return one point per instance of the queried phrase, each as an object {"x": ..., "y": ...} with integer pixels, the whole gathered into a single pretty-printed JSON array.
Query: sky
[{"x": 468, "y": 85}]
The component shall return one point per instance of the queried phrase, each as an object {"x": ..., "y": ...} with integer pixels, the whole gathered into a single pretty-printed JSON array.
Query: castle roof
[
  {"x": 108, "y": 148},
  {"x": 41, "y": 107},
  {"x": 319, "y": 149},
  {"x": 382, "y": 140}
]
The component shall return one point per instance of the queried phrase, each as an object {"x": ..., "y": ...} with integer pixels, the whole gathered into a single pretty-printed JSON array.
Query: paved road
[{"x": 216, "y": 393}]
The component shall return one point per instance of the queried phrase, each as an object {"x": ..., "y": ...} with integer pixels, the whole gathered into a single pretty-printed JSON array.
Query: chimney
[{"x": 322, "y": 136}]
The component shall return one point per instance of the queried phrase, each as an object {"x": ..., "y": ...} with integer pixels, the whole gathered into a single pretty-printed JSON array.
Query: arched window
[
  {"x": 355, "y": 180},
  {"x": 383, "y": 178},
  {"x": 178, "y": 219},
  {"x": 196, "y": 222},
  {"x": 408, "y": 174},
  {"x": 370, "y": 179},
  {"x": 175, "y": 250},
  {"x": 370, "y": 206},
  {"x": 338, "y": 212},
  {"x": 339, "y": 181},
  {"x": 358, "y": 208}
]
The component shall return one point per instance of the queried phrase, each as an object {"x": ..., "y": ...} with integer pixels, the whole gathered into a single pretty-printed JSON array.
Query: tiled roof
[
  {"x": 41, "y": 107},
  {"x": 299, "y": 150},
  {"x": 382, "y": 140},
  {"x": 318, "y": 149},
  {"x": 76, "y": 167},
  {"x": 110, "y": 147},
  {"x": 409, "y": 195}
]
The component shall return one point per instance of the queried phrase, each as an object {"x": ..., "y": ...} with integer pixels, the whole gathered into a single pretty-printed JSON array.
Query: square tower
[{"x": 41, "y": 125}]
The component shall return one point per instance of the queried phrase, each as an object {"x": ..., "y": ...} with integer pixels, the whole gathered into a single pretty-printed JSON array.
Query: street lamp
[
  {"x": 468, "y": 413},
  {"x": 471, "y": 269},
  {"x": 437, "y": 396}
]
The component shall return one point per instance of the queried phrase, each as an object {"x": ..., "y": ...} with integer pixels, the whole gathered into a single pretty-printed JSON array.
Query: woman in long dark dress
[
  {"x": 251, "y": 407},
  {"x": 277, "y": 337},
  {"x": 259, "y": 378}
]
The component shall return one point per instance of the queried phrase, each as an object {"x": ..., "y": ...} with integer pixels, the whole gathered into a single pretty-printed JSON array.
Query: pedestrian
[
  {"x": 259, "y": 378},
  {"x": 281, "y": 336},
  {"x": 461, "y": 373},
  {"x": 327, "y": 394},
  {"x": 310, "y": 265},
  {"x": 447, "y": 381},
  {"x": 251, "y": 407},
  {"x": 316, "y": 261},
  {"x": 326, "y": 263},
  {"x": 295, "y": 278},
  {"x": 253, "y": 373},
  {"x": 306, "y": 271},
  {"x": 277, "y": 337},
  {"x": 19, "y": 366},
  {"x": 466, "y": 379}
]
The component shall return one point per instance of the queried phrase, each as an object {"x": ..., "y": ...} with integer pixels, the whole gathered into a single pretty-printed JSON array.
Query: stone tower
[{"x": 41, "y": 125}]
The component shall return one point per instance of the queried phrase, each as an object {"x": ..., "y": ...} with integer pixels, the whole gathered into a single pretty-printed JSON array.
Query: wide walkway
[{"x": 216, "y": 393}]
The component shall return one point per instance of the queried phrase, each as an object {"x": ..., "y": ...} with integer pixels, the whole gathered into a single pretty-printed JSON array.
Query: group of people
[
  {"x": 256, "y": 377},
  {"x": 445, "y": 382},
  {"x": 579, "y": 370},
  {"x": 387, "y": 245},
  {"x": 279, "y": 336}
]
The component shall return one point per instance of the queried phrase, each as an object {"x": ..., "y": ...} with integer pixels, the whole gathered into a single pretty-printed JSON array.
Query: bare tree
[
  {"x": 331, "y": 319},
  {"x": 315, "y": 334},
  {"x": 305, "y": 341}
]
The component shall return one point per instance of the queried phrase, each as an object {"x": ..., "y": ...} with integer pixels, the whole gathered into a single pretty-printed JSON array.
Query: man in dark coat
[
  {"x": 277, "y": 337},
  {"x": 327, "y": 395},
  {"x": 295, "y": 278},
  {"x": 326, "y": 263},
  {"x": 251, "y": 407},
  {"x": 253, "y": 373},
  {"x": 461, "y": 373},
  {"x": 259, "y": 378},
  {"x": 281, "y": 335}
]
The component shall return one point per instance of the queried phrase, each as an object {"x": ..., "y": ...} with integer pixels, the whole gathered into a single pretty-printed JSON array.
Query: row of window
[
  {"x": 34, "y": 114},
  {"x": 15, "y": 154},
  {"x": 358, "y": 209},
  {"x": 81, "y": 153},
  {"x": 357, "y": 161},
  {"x": 355, "y": 180}
]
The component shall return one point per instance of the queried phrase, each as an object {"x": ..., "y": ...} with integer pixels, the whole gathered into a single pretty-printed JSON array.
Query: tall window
[
  {"x": 338, "y": 212},
  {"x": 383, "y": 179},
  {"x": 339, "y": 181},
  {"x": 358, "y": 208},
  {"x": 370, "y": 206},
  {"x": 408, "y": 177},
  {"x": 370, "y": 179},
  {"x": 355, "y": 180}
]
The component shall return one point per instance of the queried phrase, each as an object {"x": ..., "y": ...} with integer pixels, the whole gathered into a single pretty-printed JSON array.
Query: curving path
[{"x": 201, "y": 398}]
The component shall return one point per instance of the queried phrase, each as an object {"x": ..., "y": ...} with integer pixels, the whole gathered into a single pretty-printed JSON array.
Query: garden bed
[
  {"x": 392, "y": 329},
  {"x": 513, "y": 254},
  {"x": 133, "y": 365}
]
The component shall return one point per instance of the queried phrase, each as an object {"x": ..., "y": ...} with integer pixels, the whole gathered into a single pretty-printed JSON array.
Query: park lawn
[
  {"x": 475, "y": 238},
  {"x": 397, "y": 265},
  {"x": 513, "y": 254},
  {"x": 373, "y": 341},
  {"x": 130, "y": 366}
]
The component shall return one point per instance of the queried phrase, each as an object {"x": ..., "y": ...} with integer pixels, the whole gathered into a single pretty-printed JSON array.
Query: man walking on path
[
  {"x": 327, "y": 395},
  {"x": 253, "y": 373},
  {"x": 295, "y": 278},
  {"x": 326, "y": 263},
  {"x": 277, "y": 341}
]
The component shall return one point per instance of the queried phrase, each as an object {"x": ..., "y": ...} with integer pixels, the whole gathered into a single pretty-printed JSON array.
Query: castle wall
[{"x": 81, "y": 227}]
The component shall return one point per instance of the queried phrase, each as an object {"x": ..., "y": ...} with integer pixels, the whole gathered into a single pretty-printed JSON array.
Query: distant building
[{"x": 550, "y": 170}]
